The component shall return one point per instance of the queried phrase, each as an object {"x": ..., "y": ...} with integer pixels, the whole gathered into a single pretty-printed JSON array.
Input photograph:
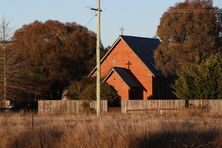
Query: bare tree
[
  {"x": 4, "y": 39},
  {"x": 219, "y": 16}
]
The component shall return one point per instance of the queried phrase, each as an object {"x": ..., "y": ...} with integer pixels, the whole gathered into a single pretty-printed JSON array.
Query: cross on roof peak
[{"x": 122, "y": 30}]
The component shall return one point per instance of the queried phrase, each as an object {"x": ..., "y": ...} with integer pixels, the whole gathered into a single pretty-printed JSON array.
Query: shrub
[
  {"x": 85, "y": 89},
  {"x": 201, "y": 81},
  {"x": 85, "y": 108}
]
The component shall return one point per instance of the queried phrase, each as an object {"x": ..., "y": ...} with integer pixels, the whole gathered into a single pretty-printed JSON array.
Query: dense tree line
[
  {"x": 191, "y": 49},
  {"x": 45, "y": 57},
  {"x": 189, "y": 33}
]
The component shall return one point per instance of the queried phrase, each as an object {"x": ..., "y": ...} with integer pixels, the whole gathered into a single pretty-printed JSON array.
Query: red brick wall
[
  {"x": 119, "y": 85},
  {"x": 121, "y": 55}
]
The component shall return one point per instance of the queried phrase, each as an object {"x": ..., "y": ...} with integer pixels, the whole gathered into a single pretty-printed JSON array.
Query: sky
[{"x": 138, "y": 17}]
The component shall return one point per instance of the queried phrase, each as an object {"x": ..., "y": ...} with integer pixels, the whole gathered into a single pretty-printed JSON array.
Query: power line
[
  {"x": 94, "y": 16},
  {"x": 170, "y": 10},
  {"x": 195, "y": 10},
  {"x": 90, "y": 20}
]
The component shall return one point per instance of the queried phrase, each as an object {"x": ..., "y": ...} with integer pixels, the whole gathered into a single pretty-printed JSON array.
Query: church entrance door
[{"x": 136, "y": 93}]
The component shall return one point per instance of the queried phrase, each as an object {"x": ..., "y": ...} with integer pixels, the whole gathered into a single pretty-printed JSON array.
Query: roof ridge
[{"x": 138, "y": 37}]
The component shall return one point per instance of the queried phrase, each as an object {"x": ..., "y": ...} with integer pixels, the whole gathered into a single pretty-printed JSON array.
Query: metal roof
[
  {"x": 126, "y": 75},
  {"x": 142, "y": 47}
]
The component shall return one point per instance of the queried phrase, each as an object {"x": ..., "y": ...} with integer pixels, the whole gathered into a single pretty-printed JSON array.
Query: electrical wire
[
  {"x": 90, "y": 20},
  {"x": 195, "y": 10}
]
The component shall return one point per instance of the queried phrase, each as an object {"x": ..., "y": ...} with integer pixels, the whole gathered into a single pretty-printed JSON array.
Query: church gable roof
[
  {"x": 125, "y": 75},
  {"x": 142, "y": 47}
]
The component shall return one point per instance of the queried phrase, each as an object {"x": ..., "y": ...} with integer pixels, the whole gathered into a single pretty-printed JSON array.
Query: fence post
[{"x": 187, "y": 105}]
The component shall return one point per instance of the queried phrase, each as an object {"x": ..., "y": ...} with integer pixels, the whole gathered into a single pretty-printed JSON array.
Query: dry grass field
[{"x": 187, "y": 129}]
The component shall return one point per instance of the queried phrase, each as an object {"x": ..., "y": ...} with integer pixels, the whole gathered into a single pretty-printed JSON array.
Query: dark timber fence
[
  {"x": 164, "y": 105},
  {"x": 67, "y": 106}
]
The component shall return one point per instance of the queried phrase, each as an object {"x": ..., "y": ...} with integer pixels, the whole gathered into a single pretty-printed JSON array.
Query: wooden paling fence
[
  {"x": 75, "y": 106},
  {"x": 149, "y": 105},
  {"x": 67, "y": 106}
]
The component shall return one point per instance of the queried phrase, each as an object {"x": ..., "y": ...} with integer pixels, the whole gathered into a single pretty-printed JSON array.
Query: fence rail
[
  {"x": 67, "y": 106},
  {"x": 146, "y": 105}
]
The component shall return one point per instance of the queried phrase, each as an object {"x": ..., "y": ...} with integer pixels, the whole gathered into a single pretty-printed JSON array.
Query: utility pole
[
  {"x": 98, "y": 41},
  {"x": 98, "y": 67}
]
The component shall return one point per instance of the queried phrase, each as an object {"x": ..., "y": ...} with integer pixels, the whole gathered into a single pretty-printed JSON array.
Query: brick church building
[{"x": 130, "y": 68}]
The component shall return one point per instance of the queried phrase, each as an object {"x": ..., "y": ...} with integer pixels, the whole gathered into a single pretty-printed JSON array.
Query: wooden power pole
[
  {"x": 98, "y": 77},
  {"x": 98, "y": 67}
]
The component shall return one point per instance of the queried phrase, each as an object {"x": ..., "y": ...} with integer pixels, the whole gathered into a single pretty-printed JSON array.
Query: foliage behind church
[{"x": 44, "y": 58}]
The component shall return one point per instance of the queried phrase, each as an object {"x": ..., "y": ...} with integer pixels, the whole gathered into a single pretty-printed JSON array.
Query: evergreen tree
[{"x": 201, "y": 81}]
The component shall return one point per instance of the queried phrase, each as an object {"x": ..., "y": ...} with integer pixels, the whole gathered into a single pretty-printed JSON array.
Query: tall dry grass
[{"x": 183, "y": 129}]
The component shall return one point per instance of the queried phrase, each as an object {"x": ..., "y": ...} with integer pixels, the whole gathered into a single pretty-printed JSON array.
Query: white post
[{"x": 98, "y": 59}]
